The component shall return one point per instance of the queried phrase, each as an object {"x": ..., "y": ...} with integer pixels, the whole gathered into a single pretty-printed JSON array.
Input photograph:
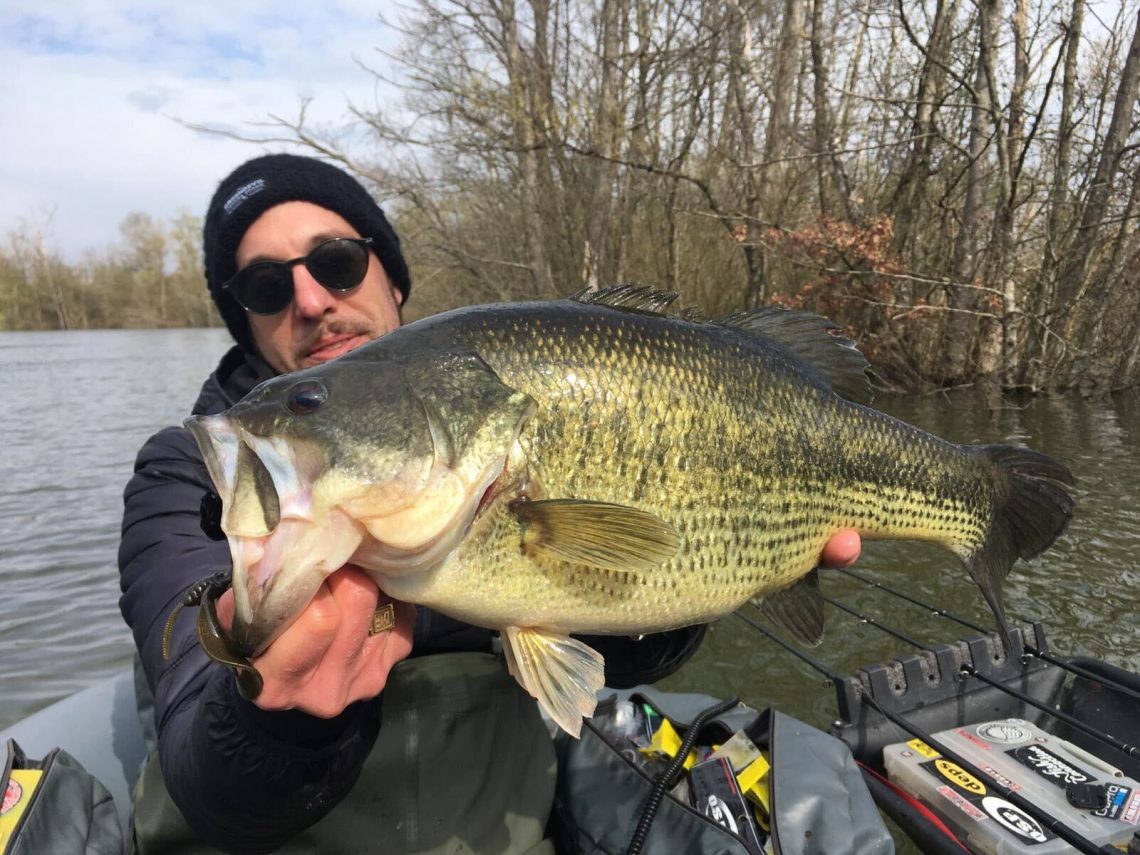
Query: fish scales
[
  {"x": 595, "y": 466},
  {"x": 631, "y": 413}
]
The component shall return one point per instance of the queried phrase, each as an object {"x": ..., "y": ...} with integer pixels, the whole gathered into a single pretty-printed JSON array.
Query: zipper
[{"x": 44, "y": 766}]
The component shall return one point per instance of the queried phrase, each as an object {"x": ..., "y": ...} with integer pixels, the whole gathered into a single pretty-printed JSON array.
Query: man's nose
[{"x": 310, "y": 298}]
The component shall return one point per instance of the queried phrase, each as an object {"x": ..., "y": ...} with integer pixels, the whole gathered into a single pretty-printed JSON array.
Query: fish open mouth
[
  {"x": 290, "y": 520},
  {"x": 280, "y": 557}
]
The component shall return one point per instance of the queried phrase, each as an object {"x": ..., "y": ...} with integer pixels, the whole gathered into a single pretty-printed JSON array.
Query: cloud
[{"x": 96, "y": 104}]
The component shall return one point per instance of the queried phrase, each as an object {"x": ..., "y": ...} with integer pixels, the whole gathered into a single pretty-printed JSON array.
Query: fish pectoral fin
[
  {"x": 597, "y": 534},
  {"x": 798, "y": 609},
  {"x": 561, "y": 673}
]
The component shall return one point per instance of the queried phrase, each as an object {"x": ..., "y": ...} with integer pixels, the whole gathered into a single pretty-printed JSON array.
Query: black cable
[{"x": 661, "y": 783}]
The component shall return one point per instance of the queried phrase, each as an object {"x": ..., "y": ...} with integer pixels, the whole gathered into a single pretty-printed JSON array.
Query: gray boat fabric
[{"x": 820, "y": 804}]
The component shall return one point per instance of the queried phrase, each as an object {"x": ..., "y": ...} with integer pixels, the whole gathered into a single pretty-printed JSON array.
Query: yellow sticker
[
  {"x": 958, "y": 776},
  {"x": 920, "y": 747},
  {"x": 18, "y": 793}
]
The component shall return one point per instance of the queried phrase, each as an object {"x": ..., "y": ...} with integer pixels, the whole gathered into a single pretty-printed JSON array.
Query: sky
[{"x": 93, "y": 97}]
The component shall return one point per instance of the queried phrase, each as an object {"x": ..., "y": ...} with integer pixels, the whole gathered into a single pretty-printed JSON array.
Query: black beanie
[{"x": 259, "y": 184}]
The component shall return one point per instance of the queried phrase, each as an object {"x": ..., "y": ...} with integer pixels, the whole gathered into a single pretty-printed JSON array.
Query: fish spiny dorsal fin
[
  {"x": 632, "y": 298},
  {"x": 809, "y": 337}
]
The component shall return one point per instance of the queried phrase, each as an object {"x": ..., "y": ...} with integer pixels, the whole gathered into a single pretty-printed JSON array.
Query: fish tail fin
[{"x": 1033, "y": 506}]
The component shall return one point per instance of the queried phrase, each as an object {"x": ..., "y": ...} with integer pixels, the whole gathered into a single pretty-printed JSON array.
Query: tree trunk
[
  {"x": 525, "y": 141},
  {"x": 1072, "y": 283}
]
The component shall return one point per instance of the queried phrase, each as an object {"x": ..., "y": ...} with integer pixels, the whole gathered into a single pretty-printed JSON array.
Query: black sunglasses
[{"x": 266, "y": 287}]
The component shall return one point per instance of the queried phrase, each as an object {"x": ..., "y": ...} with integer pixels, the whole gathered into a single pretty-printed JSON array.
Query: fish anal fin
[
  {"x": 810, "y": 338},
  {"x": 597, "y": 534},
  {"x": 561, "y": 673},
  {"x": 798, "y": 609}
]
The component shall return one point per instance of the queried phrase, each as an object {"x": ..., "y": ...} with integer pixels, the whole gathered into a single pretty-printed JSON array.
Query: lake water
[{"x": 81, "y": 403}]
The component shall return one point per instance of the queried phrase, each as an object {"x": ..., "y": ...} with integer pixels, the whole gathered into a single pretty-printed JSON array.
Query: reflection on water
[{"x": 79, "y": 405}]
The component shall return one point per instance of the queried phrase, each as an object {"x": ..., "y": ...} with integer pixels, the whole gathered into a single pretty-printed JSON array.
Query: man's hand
[
  {"x": 842, "y": 550},
  {"x": 326, "y": 659}
]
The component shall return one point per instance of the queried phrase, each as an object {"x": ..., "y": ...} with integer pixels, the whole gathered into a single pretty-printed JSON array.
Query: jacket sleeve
[
  {"x": 245, "y": 779},
  {"x": 636, "y": 661}
]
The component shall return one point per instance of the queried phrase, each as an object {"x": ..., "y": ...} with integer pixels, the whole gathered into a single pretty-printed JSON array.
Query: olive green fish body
[
  {"x": 594, "y": 465},
  {"x": 753, "y": 460}
]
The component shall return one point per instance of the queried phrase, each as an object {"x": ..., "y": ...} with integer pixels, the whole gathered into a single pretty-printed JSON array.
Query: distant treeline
[
  {"x": 152, "y": 277},
  {"x": 955, "y": 183}
]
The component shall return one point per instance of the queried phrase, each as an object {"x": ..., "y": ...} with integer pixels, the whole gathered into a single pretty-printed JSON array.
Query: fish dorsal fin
[
  {"x": 634, "y": 298},
  {"x": 809, "y": 337},
  {"x": 798, "y": 609},
  {"x": 597, "y": 534},
  {"x": 561, "y": 673}
]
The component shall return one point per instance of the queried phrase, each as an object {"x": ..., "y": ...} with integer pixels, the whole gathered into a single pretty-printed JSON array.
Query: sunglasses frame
[{"x": 363, "y": 243}]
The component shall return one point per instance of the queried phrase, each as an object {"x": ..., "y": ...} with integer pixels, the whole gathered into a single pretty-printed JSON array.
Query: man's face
[{"x": 318, "y": 325}]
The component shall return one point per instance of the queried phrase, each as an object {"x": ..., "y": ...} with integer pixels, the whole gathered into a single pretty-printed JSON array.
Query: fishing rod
[
  {"x": 1054, "y": 825},
  {"x": 831, "y": 676},
  {"x": 1069, "y": 835},
  {"x": 967, "y": 668},
  {"x": 1032, "y": 650}
]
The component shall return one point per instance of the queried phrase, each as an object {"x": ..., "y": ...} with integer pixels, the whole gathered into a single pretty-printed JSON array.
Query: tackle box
[{"x": 1067, "y": 783}]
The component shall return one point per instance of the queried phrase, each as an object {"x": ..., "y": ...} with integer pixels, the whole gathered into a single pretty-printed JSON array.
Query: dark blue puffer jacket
[{"x": 246, "y": 779}]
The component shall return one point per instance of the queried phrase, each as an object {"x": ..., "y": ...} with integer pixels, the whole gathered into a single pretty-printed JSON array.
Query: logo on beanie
[{"x": 242, "y": 193}]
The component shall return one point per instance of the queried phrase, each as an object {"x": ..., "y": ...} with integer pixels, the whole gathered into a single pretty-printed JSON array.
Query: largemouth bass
[{"x": 596, "y": 465}]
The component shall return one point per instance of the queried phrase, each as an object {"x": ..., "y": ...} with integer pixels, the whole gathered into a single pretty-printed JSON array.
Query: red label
[{"x": 12, "y": 796}]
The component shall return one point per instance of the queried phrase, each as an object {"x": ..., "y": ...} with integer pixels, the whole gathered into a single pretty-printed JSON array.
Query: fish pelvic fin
[
  {"x": 798, "y": 609},
  {"x": 1033, "y": 506},
  {"x": 597, "y": 534},
  {"x": 561, "y": 673}
]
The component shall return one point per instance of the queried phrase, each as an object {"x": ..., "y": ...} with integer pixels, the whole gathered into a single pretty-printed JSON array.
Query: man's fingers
[
  {"x": 326, "y": 659},
  {"x": 225, "y": 609},
  {"x": 843, "y": 549}
]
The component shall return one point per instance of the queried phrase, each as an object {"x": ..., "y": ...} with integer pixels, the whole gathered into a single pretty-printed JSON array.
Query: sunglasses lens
[
  {"x": 264, "y": 288},
  {"x": 339, "y": 265}
]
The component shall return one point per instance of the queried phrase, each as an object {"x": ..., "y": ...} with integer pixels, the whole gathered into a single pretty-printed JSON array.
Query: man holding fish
[{"x": 378, "y": 726}]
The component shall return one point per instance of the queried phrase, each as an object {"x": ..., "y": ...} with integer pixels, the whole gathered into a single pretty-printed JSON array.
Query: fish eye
[{"x": 306, "y": 397}]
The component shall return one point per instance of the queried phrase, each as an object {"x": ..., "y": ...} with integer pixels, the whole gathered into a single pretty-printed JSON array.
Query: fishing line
[
  {"x": 1108, "y": 739},
  {"x": 966, "y": 668},
  {"x": 1032, "y": 651}
]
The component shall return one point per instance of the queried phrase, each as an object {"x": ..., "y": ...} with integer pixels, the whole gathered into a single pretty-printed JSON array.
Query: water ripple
[{"x": 87, "y": 401}]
